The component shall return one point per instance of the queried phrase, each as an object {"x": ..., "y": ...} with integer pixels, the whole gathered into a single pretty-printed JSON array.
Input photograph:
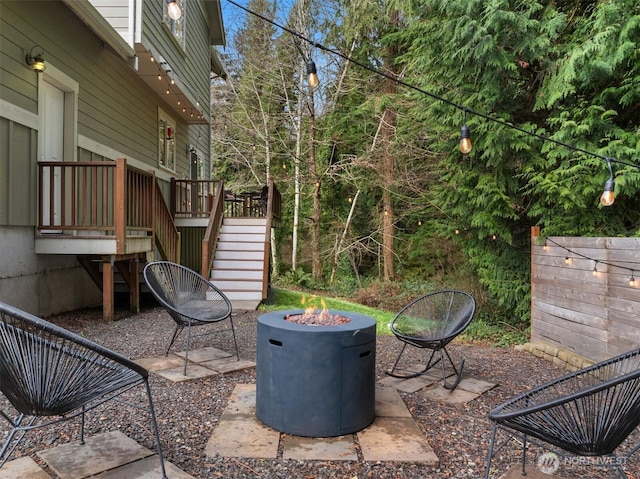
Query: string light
[
  {"x": 608, "y": 195},
  {"x": 569, "y": 260},
  {"x": 444, "y": 100},
  {"x": 465, "y": 137},
  {"x": 312, "y": 74}
]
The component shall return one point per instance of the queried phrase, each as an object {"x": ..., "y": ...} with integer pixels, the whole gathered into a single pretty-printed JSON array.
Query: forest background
[{"x": 379, "y": 203}]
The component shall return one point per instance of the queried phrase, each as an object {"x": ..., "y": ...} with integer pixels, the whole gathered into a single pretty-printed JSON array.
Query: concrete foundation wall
[{"x": 41, "y": 284}]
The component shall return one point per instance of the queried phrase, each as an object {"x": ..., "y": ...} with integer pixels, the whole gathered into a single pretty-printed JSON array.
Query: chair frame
[
  {"x": 166, "y": 281},
  {"x": 582, "y": 399},
  {"x": 51, "y": 375},
  {"x": 437, "y": 344}
]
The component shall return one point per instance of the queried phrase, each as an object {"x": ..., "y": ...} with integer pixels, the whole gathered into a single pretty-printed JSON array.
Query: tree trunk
[{"x": 316, "y": 261}]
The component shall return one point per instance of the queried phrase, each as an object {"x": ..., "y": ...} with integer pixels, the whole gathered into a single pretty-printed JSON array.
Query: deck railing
[
  {"x": 213, "y": 228},
  {"x": 106, "y": 199},
  {"x": 89, "y": 198}
]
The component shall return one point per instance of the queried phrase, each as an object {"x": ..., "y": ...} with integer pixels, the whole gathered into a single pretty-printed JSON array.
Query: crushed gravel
[{"x": 189, "y": 411}]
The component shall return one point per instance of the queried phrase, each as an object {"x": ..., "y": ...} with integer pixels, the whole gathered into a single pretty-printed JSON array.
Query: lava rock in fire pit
[{"x": 317, "y": 318}]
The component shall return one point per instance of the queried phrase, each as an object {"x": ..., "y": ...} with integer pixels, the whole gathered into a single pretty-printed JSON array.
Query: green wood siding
[{"x": 17, "y": 177}]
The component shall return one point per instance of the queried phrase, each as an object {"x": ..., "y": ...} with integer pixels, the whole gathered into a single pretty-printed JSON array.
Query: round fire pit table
[{"x": 315, "y": 380}]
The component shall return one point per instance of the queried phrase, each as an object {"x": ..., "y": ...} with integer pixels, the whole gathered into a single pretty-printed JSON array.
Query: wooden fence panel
[{"x": 585, "y": 294}]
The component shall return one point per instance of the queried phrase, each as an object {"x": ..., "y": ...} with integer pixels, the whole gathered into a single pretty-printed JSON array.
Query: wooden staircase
[{"x": 239, "y": 262}]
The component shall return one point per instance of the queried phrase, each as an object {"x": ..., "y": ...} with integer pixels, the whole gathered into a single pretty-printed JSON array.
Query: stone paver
[
  {"x": 455, "y": 396},
  {"x": 160, "y": 362},
  {"x": 319, "y": 449},
  {"x": 99, "y": 453},
  {"x": 239, "y": 432},
  {"x": 148, "y": 468},
  {"x": 515, "y": 472},
  {"x": 478, "y": 386},
  {"x": 203, "y": 362},
  {"x": 194, "y": 371},
  {"x": 208, "y": 353},
  {"x": 389, "y": 403},
  {"x": 227, "y": 365},
  {"x": 396, "y": 439},
  {"x": 22, "y": 468}
]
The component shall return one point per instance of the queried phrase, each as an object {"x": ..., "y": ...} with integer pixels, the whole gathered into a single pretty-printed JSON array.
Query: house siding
[{"x": 117, "y": 116}]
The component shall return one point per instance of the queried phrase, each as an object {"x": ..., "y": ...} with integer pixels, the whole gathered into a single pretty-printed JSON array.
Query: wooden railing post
[{"x": 120, "y": 219}]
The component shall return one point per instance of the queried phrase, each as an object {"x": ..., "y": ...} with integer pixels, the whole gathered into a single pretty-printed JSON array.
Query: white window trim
[{"x": 170, "y": 121}]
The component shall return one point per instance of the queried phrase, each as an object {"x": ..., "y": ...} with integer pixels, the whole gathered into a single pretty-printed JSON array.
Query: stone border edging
[{"x": 561, "y": 357}]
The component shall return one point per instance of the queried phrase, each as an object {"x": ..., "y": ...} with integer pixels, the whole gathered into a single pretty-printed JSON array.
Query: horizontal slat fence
[{"x": 582, "y": 296}]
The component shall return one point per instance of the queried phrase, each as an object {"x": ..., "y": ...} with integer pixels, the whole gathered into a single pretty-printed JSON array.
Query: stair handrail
[
  {"x": 273, "y": 215},
  {"x": 166, "y": 233},
  {"x": 211, "y": 234}
]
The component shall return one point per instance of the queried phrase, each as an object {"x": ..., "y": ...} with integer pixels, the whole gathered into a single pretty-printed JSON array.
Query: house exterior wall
[{"x": 116, "y": 116}]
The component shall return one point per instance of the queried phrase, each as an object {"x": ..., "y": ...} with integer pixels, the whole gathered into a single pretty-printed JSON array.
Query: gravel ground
[{"x": 188, "y": 411}]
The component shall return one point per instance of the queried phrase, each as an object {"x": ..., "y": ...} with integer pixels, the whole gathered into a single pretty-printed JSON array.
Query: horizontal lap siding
[{"x": 595, "y": 316}]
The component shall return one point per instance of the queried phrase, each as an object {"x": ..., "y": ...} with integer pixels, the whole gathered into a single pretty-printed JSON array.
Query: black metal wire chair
[
  {"x": 190, "y": 299},
  {"x": 50, "y": 375},
  {"x": 589, "y": 412},
  {"x": 432, "y": 321}
]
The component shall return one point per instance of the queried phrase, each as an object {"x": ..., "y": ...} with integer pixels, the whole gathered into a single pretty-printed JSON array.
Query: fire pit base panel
[{"x": 315, "y": 381}]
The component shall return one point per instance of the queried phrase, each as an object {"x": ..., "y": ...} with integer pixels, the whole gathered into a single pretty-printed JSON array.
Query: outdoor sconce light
[
  {"x": 35, "y": 60},
  {"x": 312, "y": 74},
  {"x": 173, "y": 10},
  {"x": 608, "y": 195}
]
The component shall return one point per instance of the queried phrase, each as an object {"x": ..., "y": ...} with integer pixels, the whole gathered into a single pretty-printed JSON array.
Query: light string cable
[
  {"x": 569, "y": 251},
  {"x": 459, "y": 106}
]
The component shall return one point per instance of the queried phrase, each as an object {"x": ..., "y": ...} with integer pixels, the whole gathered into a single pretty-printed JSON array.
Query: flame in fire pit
[{"x": 315, "y": 317}]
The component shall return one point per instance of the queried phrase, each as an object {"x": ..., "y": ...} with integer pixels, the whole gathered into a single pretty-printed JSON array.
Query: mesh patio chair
[
  {"x": 50, "y": 375},
  {"x": 190, "y": 299},
  {"x": 588, "y": 413},
  {"x": 431, "y": 322}
]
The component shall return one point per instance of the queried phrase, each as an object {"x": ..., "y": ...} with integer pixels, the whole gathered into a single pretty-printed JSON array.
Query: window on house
[
  {"x": 176, "y": 27},
  {"x": 167, "y": 142}
]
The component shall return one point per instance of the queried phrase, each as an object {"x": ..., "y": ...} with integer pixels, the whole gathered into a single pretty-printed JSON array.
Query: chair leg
[
  {"x": 176, "y": 332},
  {"x": 411, "y": 374},
  {"x": 457, "y": 371},
  {"x": 186, "y": 349},
  {"x": 6, "y": 451},
  {"x": 82, "y": 426},
  {"x": 490, "y": 455},
  {"x": 235, "y": 343},
  {"x": 155, "y": 430}
]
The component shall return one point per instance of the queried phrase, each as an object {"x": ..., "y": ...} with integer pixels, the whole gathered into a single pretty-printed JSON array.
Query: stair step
[
  {"x": 243, "y": 229},
  {"x": 237, "y": 264},
  {"x": 241, "y": 238},
  {"x": 237, "y": 285},
  {"x": 234, "y": 274},
  {"x": 244, "y": 295},
  {"x": 236, "y": 246},
  {"x": 230, "y": 255},
  {"x": 244, "y": 221}
]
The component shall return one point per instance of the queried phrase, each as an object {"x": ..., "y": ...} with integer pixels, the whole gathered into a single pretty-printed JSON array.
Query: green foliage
[
  {"x": 282, "y": 299},
  {"x": 299, "y": 278}
]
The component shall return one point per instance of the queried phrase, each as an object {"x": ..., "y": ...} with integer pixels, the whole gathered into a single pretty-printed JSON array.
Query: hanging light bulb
[
  {"x": 595, "y": 268},
  {"x": 608, "y": 194},
  {"x": 632, "y": 280},
  {"x": 312, "y": 74},
  {"x": 173, "y": 10},
  {"x": 567, "y": 260},
  {"x": 159, "y": 75},
  {"x": 465, "y": 140}
]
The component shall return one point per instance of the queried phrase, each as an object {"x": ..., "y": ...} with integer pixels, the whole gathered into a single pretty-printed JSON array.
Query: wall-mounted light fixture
[
  {"x": 173, "y": 10},
  {"x": 35, "y": 60}
]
